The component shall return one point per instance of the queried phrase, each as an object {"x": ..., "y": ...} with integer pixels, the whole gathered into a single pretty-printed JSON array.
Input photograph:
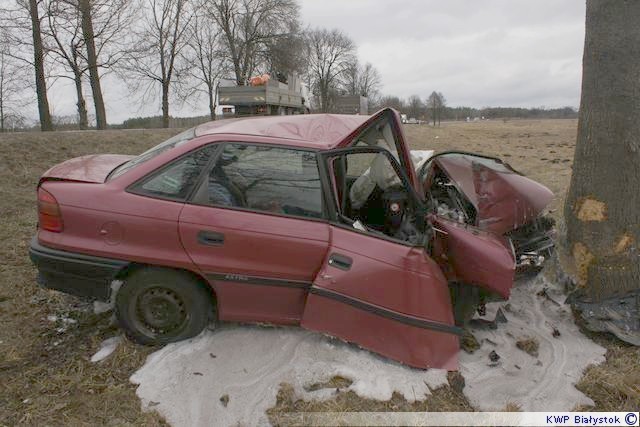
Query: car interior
[{"x": 370, "y": 194}]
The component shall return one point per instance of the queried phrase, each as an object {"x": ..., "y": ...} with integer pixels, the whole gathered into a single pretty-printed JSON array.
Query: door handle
[
  {"x": 210, "y": 238},
  {"x": 340, "y": 261}
]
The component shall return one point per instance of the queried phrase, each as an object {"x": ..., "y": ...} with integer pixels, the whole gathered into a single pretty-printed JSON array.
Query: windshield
[{"x": 170, "y": 143}]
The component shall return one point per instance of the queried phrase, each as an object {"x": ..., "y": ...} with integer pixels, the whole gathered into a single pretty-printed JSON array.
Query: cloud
[{"x": 489, "y": 53}]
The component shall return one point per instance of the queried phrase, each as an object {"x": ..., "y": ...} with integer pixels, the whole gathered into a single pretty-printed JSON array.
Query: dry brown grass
[
  {"x": 45, "y": 376},
  {"x": 529, "y": 346},
  {"x": 441, "y": 399}
]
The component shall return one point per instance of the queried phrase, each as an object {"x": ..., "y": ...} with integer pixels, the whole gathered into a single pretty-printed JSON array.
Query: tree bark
[
  {"x": 38, "y": 63},
  {"x": 602, "y": 210},
  {"x": 212, "y": 100},
  {"x": 165, "y": 104},
  {"x": 92, "y": 62},
  {"x": 83, "y": 119}
]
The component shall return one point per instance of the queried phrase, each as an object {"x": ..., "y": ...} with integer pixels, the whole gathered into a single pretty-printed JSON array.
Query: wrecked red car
[{"x": 321, "y": 221}]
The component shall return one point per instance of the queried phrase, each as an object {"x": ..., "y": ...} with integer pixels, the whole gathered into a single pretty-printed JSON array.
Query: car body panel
[
  {"x": 476, "y": 257},
  {"x": 392, "y": 299},
  {"x": 103, "y": 221},
  {"x": 503, "y": 198},
  {"x": 283, "y": 250},
  {"x": 323, "y": 131},
  {"x": 91, "y": 168}
]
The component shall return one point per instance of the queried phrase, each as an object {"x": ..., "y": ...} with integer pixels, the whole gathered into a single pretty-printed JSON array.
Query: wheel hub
[{"x": 161, "y": 310}]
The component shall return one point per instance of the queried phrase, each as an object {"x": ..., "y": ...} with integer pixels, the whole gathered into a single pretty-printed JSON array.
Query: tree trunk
[
  {"x": 92, "y": 62},
  {"x": 83, "y": 120},
  {"x": 212, "y": 104},
  {"x": 602, "y": 210},
  {"x": 38, "y": 64},
  {"x": 165, "y": 105}
]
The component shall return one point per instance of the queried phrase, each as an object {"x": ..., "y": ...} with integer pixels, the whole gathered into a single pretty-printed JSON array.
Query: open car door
[{"x": 377, "y": 287}]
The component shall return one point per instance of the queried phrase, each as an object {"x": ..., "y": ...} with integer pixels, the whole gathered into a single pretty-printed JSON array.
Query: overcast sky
[{"x": 477, "y": 53}]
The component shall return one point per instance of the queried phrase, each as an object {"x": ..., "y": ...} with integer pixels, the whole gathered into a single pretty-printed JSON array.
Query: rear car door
[
  {"x": 256, "y": 229},
  {"x": 374, "y": 287}
]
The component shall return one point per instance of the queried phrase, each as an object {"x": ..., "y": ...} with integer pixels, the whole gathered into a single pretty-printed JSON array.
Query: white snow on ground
[
  {"x": 543, "y": 383},
  {"x": 107, "y": 347},
  {"x": 185, "y": 381}
]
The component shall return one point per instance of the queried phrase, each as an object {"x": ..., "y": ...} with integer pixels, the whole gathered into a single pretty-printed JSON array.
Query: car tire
[{"x": 158, "y": 306}]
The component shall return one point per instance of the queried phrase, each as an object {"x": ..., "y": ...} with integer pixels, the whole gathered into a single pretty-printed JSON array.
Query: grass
[
  {"x": 45, "y": 374},
  {"x": 529, "y": 346}
]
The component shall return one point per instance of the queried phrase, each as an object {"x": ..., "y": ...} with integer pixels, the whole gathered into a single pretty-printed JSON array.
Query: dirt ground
[{"x": 47, "y": 338}]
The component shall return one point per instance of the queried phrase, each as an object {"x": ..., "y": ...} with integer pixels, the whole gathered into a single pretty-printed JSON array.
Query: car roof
[{"x": 322, "y": 131}]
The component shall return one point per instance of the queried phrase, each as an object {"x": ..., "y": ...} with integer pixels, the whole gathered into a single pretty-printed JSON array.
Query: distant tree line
[
  {"x": 166, "y": 52},
  {"x": 434, "y": 108}
]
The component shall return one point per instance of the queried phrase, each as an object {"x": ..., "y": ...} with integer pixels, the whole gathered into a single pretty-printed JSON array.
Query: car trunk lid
[{"x": 92, "y": 168}]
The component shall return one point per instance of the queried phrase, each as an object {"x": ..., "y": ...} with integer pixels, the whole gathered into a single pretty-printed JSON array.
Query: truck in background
[{"x": 265, "y": 97}]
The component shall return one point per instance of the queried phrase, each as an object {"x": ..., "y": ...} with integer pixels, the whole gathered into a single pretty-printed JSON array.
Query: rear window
[{"x": 170, "y": 143}]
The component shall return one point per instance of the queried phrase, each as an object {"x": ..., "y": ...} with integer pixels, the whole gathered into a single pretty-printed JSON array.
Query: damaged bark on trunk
[{"x": 602, "y": 210}]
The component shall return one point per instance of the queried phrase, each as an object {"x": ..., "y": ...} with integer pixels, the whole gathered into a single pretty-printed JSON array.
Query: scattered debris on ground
[
  {"x": 107, "y": 347},
  {"x": 224, "y": 399},
  {"x": 456, "y": 381},
  {"x": 543, "y": 383},
  {"x": 468, "y": 342},
  {"x": 529, "y": 345}
]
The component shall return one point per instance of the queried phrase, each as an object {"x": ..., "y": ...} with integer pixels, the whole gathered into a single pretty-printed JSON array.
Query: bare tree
[
  {"x": 157, "y": 55},
  {"x": 67, "y": 32},
  {"x": 38, "y": 65},
  {"x": 66, "y": 43},
  {"x": 92, "y": 62},
  {"x": 21, "y": 25},
  {"x": 391, "y": 102},
  {"x": 248, "y": 25},
  {"x": 415, "y": 106},
  {"x": 12, "y": 87},
  {"x": 601, "y": 211},
  {"x": 284, "y": 54},
  {"x": 436, "y": 103},
  {"x": 330, "y": 54},
  {"x": 207, "y": 54},
  {"x": 361, "y": 80}
]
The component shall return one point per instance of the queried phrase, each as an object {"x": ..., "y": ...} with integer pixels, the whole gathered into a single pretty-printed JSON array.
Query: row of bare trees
[
  {"x": 433, "y": 106},
  {"x": 167, "y": 50},
  {"x": 62, "y": 39}
]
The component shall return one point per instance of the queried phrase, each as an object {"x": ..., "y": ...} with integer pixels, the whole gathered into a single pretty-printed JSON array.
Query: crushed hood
[
  {"x": 92, "y": 168},
  {"x": 503, "y": 198}
]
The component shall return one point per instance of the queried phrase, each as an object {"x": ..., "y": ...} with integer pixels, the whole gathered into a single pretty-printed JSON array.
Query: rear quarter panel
[{"x": 103, "y": 220}]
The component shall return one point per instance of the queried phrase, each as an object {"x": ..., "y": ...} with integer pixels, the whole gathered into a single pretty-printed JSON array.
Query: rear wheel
[{"x": 159, "y": 306}]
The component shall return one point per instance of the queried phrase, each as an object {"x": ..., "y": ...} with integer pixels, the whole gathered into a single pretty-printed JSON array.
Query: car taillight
[{"x": 49, "y": 216}]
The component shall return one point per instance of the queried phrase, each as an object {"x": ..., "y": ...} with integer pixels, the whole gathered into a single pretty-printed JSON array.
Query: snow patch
[
  {"x": 100, "y": 307},
  {"x": 185, "y": 381},
  {"x": 107, "y": 347},
  {"x": 542, "y": 383}
]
